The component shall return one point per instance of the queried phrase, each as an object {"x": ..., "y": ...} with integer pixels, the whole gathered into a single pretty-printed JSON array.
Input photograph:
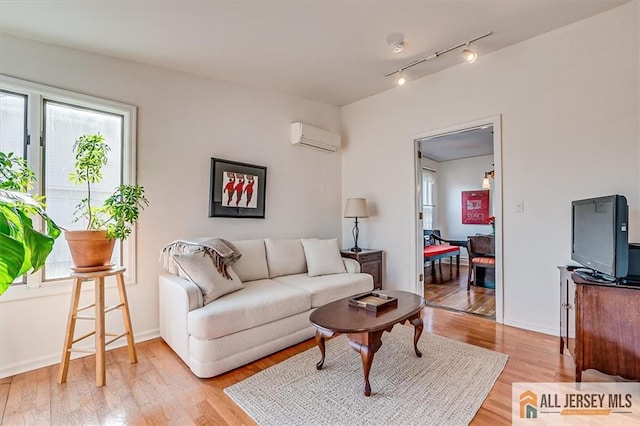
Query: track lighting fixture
[{"x": 469, "y": 55}]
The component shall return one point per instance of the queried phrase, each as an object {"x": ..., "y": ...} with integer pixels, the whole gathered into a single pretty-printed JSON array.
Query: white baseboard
[
  {"x": 553, "y": 331},
  {"x": 51, "y": 359}
]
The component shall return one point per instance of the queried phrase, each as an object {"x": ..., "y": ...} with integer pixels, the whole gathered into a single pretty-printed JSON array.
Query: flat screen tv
[{"x": 600, "y": 238}]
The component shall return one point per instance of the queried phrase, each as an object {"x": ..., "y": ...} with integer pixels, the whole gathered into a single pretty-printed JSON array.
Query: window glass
[
  {"x": 63, "y": 125},
  {"x": 13, "y": 119},
  {"x": 13, "y": 130},
  {"x": 428, "y": 198}
]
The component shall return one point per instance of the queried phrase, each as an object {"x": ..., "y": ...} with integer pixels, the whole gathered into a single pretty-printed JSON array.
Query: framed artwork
[
  {"x": 237, "y": 189},
  {"x": 475, "y": 207}
]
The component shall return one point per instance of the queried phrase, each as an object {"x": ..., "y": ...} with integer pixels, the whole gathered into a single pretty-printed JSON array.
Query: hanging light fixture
[
  {"x": 486, "y": 183},
  {"x": 469, "y": 55}
]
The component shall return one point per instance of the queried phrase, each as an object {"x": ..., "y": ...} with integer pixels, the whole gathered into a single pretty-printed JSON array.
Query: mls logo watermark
[
  {"x": 586, "y": 403},
  {"x": 528, "y": 405}
]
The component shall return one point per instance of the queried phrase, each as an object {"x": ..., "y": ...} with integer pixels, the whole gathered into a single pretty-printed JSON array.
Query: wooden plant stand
[{"x": 99, "y": 331}]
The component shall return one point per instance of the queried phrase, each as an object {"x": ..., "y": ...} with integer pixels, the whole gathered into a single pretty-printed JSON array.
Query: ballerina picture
[
  {"x": 237, "y": 189},
  {"x": 240, "y": 190}
]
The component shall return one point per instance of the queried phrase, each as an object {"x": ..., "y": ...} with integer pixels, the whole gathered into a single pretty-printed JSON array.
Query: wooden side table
[
  {"x": 99, "y": 332},
  {"x": 370, "y": 261}
]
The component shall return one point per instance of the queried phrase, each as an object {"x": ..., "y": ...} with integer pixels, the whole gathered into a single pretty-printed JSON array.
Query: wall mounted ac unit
[{"x": 306, "y": 135}]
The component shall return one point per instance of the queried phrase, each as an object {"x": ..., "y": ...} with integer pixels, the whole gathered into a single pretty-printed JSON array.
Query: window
[
  {"x": 13, "y": 130},
  {"x": 41, "y": 124},
  {"x": 428, "y": 198}
]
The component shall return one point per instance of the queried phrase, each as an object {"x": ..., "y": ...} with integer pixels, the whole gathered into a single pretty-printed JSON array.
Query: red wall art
[
  {"x": 237, "y": 189},
  {"x": 475, "y": 207}
]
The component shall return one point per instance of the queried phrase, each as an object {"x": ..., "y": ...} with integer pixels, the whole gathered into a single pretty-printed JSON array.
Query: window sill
[{"x": 21, "y": 292}]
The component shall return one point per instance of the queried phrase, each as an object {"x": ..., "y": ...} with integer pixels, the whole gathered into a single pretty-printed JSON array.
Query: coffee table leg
[
  {"x": 366, "y": 353},
  {"x": 320, "y": 342},
  {"x": 367, "y": 344},
  {"x": 321, "y": 336},
  {"x": 417, "y": 332}
]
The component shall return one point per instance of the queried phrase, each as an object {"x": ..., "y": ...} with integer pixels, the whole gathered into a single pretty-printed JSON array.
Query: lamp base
[{"x": 355, "y": 249}]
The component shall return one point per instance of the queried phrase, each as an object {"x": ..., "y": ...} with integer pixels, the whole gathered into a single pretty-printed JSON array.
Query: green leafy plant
[
  {"x": 24, "y": 248},
  {"x": 121, "y": 210}
]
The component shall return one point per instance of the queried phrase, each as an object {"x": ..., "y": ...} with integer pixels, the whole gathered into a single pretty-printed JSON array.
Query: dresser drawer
[{"x": 370, "y": 257}]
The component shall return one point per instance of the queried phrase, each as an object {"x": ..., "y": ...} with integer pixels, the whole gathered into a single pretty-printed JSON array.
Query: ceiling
[
  {"x": 331, "y": 51},
  {"x": 455, "y": 146}
]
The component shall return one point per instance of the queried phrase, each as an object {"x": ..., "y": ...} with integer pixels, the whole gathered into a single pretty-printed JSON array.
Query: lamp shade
[{"x": 356, "y": 207}]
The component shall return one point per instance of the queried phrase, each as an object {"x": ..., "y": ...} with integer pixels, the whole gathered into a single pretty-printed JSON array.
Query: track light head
[
  {"x": 469, "y": 55},
  {"x": 401, "y": 79}
]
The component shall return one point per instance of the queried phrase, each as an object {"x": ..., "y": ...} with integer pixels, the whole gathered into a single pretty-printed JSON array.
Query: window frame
[
  {"x": 22, "y": 280},
  {"x": 36, "y": 94},
  {"x": 433, "y": 193}
]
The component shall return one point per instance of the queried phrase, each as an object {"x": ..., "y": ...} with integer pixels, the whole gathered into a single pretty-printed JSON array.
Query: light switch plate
[{"x": 520, "y": 206}]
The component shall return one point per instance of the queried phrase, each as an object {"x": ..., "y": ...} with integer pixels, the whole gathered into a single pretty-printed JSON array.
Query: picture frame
[
  {"x": 237, "y": 190},
  {"x": 475, "y": 207}
]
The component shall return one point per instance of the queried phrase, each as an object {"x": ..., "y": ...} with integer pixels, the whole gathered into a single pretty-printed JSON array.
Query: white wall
[
  {"x": 454, "y": 177},
  {"x": 183, "y": 120},
  {"x": 569, "y": 106}
]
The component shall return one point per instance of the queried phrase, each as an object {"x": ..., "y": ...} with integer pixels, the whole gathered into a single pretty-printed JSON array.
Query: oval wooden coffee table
[{"x": 364, "y": 328}]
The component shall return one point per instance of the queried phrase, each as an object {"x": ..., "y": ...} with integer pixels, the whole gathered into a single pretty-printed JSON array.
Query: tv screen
[{"x": 600, "y": 236}]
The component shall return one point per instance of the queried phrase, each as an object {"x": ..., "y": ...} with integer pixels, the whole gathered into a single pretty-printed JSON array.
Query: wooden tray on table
[{"x": 373, "y": 301}]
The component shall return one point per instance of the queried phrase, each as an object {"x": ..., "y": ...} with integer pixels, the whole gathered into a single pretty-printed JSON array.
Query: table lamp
[{"x": 356, "y": 207}]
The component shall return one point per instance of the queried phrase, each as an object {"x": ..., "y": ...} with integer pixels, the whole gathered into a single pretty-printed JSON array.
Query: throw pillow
[
  {"x": 199, "y": 269},
  {"x": 285, "y": 257},
  {"x": 323, "y": 257},
  {"x": 253, "y": 263}
]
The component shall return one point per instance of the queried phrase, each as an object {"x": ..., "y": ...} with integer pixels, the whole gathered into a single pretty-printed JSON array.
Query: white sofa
[{"x": 270, "y": 313}]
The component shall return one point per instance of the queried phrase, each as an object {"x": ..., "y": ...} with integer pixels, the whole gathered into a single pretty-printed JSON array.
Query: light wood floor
[
  {"x": 449, "y": 289},
  {"x": 160, "y": 389}
]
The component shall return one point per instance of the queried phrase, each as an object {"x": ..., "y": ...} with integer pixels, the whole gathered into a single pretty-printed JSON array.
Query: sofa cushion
[
  {"x": 285, "y": 257},
  {"x": 200, "y": 270},
  {"x": 259, "y": 302},
  {"x": 252, "y": 265},
  {"x": 327, "y": 288},
  {"x": 323, "y": 257}
]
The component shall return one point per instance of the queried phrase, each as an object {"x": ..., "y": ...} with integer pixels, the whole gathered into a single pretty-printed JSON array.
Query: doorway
[{"x": 453, "y": 165}]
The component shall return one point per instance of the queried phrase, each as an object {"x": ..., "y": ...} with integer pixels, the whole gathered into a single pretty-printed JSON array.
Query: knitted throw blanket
[{"x": 222, "y": 253}]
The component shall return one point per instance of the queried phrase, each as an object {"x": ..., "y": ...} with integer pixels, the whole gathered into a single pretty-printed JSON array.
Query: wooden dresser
[
  {"x": 600, "y": 326},
  {"x": 370, "y": 261}
]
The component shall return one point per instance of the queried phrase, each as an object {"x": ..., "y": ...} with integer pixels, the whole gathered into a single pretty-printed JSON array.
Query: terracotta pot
[{"x": 90, "y": 249}]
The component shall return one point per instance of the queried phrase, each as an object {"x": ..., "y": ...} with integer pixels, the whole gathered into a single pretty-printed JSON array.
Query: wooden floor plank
[
  {"x": 449, "y": 290},
  {"x": 5, "y": 384},
  {"x": 161, "y": 390}
]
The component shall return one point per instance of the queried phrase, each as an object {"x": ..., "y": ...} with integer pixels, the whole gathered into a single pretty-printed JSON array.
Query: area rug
[{"x": 446, "y": 386}]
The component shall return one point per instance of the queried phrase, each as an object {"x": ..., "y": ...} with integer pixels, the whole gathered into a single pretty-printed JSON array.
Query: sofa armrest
[
  {"x": 177, "y": 298},
  {"x": 191, "y": 291},
  {"x": 353, "y": 267}
]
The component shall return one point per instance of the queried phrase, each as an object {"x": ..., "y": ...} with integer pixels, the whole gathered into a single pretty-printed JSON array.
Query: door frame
[{"x": 496, "y": 122}]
